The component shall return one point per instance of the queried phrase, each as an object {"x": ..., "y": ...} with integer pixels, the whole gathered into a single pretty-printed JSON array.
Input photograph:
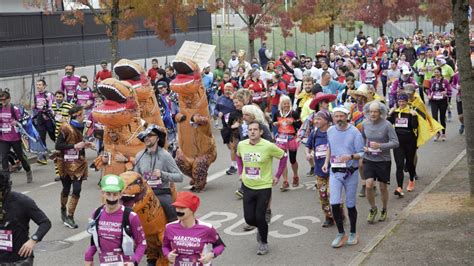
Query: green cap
[{"x": 112, "y": 183}]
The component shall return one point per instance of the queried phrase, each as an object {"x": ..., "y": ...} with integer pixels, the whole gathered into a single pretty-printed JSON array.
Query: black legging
[
  {"x": 405, "y": 155},
  {"x": 255, "y": 206},
  {"x": 440, "y": 106},
  {"x": 292, "y": 155},
  {"x": 76, "y": 186},
  {"x": 5, "y": 147},
  {"x": 45, "y": 127},
  {"x": 384, "y": 85},
  {"x": 339, "y": 217}
]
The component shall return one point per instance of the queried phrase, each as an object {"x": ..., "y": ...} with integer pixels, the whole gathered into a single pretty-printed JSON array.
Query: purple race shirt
[
  {"x": 43, "y": 99},
  {"x": 83, "y": 96},
  {"x": 7, "y": 131},
  {"x": 69, "y": 85},
  {"x": 190, "y": 243},
  {"x": 110, "y": 238}
]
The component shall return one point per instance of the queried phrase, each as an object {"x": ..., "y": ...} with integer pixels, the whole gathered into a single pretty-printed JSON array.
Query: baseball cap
[
  {"x": 112, "y": 183},
  {"x": 187, "y": 199},
  {"x": 341, "y": 109}
]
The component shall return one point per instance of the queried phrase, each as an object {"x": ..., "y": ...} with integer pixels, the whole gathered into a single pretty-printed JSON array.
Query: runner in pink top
[
  {"x": 84, "y": 96},
  {"x": 190, "y": 241},
  {"x": 109, "y": 235},
  {"x": 69, "y": 83}
]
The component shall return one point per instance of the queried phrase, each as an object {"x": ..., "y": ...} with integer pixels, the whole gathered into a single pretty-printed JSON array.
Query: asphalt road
[{"x": 296, "y": 236}]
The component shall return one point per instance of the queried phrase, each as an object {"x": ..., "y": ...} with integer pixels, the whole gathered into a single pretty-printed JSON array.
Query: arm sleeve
[
  {"x": 61, "y": 143},
  {"x": 240, "y": 164},
  {"x": 138, "y": 237},
  {"x": 392, "y": 139},
  {"x": 166, "y": 248},
  {"x": 218, "y": 245},
  {"x": 281, "y": 165},
  {"x": 172, "y": 172},
  {"x": 38, "y": 216},
  {"x": 90, "y": 252}
]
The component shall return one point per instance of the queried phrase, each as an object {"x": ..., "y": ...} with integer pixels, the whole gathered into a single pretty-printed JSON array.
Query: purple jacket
[
  {"x": 8, "y": 132},
  {"x": 69, "y": 85}
]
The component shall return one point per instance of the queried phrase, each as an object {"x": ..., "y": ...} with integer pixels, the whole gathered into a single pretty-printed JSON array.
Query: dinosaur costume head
[
  {"x": 120, "y": 105},
  {"x": 134, "y": 73},
  {"x": 188, "y": 77}
]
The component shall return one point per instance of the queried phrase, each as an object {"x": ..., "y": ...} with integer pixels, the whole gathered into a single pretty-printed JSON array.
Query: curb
[{"x": 365, "y": 252}]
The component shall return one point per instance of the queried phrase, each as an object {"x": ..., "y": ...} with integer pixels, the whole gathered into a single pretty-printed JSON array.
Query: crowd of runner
[{"x": 345, "y": 108}]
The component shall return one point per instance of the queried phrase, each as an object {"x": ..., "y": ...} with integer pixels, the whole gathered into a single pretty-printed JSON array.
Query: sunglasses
[{"x": 83, "y": 82}]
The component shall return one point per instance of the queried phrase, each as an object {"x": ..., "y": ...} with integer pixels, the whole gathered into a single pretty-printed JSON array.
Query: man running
[
  {"x": 43, "y": 115},
  {"x": 69, "y": 82},
  {"x": 254, "y": 162},
  {"x": 16, "y": 212},
  {"x": 379, "y": 137},
  {"x": 346, "y": 147},
  {"x": 124, "y": 246}
]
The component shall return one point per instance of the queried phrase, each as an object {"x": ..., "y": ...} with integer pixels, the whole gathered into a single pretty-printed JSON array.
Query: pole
[
  {"x": 219, "y": 40},
  {"x": 296, "y": 42},
  {"x": 32, "y": 94},
  {"x": 273, "y": 37},
  {"x": 234, "y": 39},
  {"x": 306, "y": 43}
]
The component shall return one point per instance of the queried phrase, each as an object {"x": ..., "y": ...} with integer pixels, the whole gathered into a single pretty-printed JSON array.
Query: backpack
[{"x": 125, "y": 223}]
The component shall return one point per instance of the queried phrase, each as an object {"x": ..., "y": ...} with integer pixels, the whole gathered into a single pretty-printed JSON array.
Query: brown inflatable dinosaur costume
[
  {"x": 120, "y": 116},
  {"x": 134, "y": 73},
  {"x": 197, "y": 149},
  {"x": 140, "y": 197}
]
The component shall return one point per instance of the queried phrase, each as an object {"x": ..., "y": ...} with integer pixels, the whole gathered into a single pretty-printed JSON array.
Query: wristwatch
[{"x": 34, "y": 238}]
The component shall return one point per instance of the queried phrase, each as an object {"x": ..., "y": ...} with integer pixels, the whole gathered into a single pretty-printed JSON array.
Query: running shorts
[{"x": 379, "y": 171}]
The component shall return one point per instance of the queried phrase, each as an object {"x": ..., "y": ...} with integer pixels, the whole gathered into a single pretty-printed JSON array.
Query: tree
[
  {"x": 439, "y": 11},
  {"x": 259, "y": 16},
  {"x": 120, "y": 17},
  {"x": 321, "y": 15},
  {"x": 463, "y": 55}
]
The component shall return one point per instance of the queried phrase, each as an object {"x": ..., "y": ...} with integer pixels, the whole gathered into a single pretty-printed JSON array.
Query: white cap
[{"x": 341, "y": 109}]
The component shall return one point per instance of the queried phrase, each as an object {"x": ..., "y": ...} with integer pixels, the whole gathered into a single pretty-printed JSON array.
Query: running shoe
[
  {"x": 339, "y": 241},
  {"x": 63, "y": 214},
  {"x": 239, "y": 193},
  {"x": 443, "y": 137},
  {"x": 436, "y": 139},
  {"x": 42, "y": 161},
  {"x": 248, "y": 227},
  {"x": 232, "y": 170},
  {"x": 450, "y": 116},
  {"x": 362, "y": 192},
  {"x": 284, "y": 186},
  {"x": 353, "y": 239},
  {"x": 262, "y": 249},
  {"x": 411, "y": 186},
  {"x": 461, "y": 129},
  {"x": 56, "y": 179},
  {"x": 69, "y": 222},
  {"x": 399, "y": 192},
  {"x": 328, "y": 222},
  {"x": 310, "y": 173},
  {"x": 296, "y": 181},
  {"x": 372, "y": 214},
  {"x": 268, "y": 216},
  {"x": 383, "y": 215}
]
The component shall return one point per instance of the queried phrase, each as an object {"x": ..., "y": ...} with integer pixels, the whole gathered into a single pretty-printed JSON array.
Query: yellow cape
[{"x": 427, "y": 126}]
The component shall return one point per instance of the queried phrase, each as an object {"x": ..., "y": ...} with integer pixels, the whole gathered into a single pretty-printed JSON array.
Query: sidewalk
[{"x": 439, "y": 230}]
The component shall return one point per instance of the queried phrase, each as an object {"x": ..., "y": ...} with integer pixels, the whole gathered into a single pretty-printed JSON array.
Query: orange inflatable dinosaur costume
[
  {"x": 120, "y": 116},
  {"x": 134, "y": 73},
  {"x": 197, "y": 148},
  {"x": 140, "y": 197}
]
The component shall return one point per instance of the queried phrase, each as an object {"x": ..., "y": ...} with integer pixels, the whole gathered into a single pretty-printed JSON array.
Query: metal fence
[
  {"x": 228, "y": 39},
  {"x": 34, "y": 42}
]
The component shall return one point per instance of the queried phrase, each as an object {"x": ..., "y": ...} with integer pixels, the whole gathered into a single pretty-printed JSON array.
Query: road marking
[
  {"x": 213, "y": 177},
  {"x": 25, "y": 192},
  {"x": 78, "y": 237},
  {"x": 49, "y": 184}
]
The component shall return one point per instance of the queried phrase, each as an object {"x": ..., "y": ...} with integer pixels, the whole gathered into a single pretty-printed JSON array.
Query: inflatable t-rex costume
[
  {"x": 120, "y": 116},
  {"x": 140, "y": 197},
  {"x": 134, "y": 74},
  {"x": 197, "y": 148}
]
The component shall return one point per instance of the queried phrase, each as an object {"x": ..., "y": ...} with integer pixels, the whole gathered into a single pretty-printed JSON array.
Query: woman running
[{"x": 438, "y": 96}]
